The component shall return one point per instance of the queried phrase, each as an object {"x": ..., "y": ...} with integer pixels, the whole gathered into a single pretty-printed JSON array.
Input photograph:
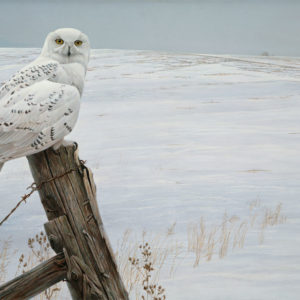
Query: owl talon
[
  {"x": 64, "y": 143},
  {"x": 56, "y": 151},
  {"x": 67, "y": 143},
  {"x": 56, "y": 146}
]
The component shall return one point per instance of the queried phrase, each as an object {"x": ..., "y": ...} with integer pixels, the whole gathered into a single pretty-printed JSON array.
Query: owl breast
[{"x": 71, "y": 74}]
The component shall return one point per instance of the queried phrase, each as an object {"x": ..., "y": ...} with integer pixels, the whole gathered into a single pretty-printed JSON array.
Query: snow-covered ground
[{"x": 173, "y": 137}]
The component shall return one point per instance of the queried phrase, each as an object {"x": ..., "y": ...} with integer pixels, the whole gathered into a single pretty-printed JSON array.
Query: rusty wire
[{"x": 33, "y": 188}]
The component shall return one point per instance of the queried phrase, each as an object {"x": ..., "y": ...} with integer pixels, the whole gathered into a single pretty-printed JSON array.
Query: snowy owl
[{"x": 39, "y": 105}]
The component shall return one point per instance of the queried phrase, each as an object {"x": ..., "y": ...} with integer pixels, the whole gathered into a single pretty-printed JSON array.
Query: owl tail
[{"x": 1, "y": 165}]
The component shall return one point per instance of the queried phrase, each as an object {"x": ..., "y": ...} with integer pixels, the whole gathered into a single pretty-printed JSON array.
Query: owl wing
[
  {"x": 29, "y": 75},
  {"x": 34, "y": 117}
]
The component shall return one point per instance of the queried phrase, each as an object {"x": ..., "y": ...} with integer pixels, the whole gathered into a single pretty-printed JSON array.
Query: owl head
[{"x": 67, "y": 45}]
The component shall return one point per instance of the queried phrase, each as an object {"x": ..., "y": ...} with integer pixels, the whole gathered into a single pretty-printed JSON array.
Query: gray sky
[{"x": 203, "y": 26}]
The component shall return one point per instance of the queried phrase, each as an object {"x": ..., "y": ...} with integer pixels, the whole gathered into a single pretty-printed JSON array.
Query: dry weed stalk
[
  {"x": 177, "y": 251},
  {"x": 211, "y": 243},
  {"x": 196, "y": 239},
  {"x": 240, "y": 235},
  {"x": 254, "y": 204},
  {"x": 144, "y": 265},
  {"x": 271, "y": 218},
  {"x": 171, "y": 229},
  {"x": 4, "y": 259},
  {"x": 224, "y": 236},
  {"x": 39, "y": 251},
  {"x": 254, "y": 210},
  {"x": 253, "y": 219},
  {"x": 131, "y": 257}
]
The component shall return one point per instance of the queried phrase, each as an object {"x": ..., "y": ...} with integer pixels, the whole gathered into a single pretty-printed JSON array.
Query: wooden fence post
[{"x": 68, "y": 194}]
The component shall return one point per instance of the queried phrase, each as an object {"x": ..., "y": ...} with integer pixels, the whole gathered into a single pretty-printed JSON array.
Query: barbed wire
[{"x": 33, "y": 188}]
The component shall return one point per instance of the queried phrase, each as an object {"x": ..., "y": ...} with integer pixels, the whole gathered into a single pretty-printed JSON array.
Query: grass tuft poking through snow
[
  {"x": 271, "y": 218},
  {"x": 5, "y": 256},
  {"x": 205, "y": 241}
]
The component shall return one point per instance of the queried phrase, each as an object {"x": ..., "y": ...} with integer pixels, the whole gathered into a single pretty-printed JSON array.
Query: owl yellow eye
[
  {"x": 78, "y": 43},
  {"x": 59, "y": 41}
]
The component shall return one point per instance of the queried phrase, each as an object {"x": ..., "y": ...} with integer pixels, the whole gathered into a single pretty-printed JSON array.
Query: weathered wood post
[{"x": 68, "y": 194}]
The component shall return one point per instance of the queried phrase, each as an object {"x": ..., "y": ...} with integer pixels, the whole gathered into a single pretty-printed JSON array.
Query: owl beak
[{"x": 69, "y": 51}]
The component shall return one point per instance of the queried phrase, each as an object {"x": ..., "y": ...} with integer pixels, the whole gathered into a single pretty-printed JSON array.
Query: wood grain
[
  {"x": 68, "y": 194},
  {"x": 36, "y": 280}
]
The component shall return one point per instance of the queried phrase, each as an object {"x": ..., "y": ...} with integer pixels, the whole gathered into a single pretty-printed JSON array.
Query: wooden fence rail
[{"x": 36, "y": 280}]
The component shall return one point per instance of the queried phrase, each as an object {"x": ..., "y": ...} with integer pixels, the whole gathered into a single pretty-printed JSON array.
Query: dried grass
[
  {"x": 171, "y": 229},
  {"x": 39, "y": 251},
  {"x": 232, "y": 232},
  {"x": 225, "y": 234},
  {"x": 271, "y": 218},
  {"x": 196, "y": 239},
  {"x": 142, "y": 260},
  {"x": 4, "y": 258},
  {"x": 211, "y": 243},
  {"x": 240, "y": 235}
]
